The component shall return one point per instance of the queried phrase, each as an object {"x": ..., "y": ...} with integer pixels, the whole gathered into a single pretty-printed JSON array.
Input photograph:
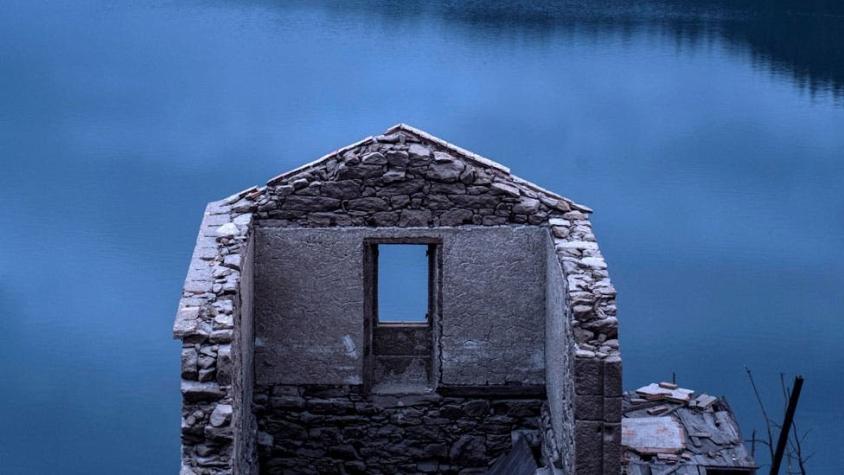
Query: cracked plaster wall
[{"x": 309, "y": 304}]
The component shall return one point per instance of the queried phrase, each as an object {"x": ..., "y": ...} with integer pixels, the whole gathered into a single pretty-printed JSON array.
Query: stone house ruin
[{"x": 287, "y": 366}]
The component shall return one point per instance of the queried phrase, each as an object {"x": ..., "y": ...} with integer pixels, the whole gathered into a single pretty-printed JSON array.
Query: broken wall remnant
[
  {"x": 275, "y": 309},
  {"x": 315, "y": 429},
  {"x": 669, "y": 429}
]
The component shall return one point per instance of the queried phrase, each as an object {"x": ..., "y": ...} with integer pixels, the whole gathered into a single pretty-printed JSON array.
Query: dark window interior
[{"x": 728, "y": 471}]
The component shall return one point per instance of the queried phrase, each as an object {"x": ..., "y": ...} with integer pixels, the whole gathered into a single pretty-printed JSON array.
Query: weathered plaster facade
[
  {"x": 492, "y": 317},
  {"x": 284, "y": 369}
]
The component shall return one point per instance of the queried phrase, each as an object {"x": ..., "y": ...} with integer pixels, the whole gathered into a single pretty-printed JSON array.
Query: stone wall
[
  {"x": 493, "y": 307},
  {"x": 214, "y": 324},
  {"x": 591, "y": 309},
  {"x": 310, "y": 313},
  {"x": 559, "y": 372},
  {"x": 340, "y": 430},
  {"x": 309, "y": 307},
  {"x": 243, "y": 418},
  {"x": 403, "y": 179}
]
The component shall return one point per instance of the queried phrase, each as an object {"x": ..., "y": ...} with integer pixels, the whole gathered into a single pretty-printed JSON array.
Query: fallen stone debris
[{"x": 668, "y": 429}]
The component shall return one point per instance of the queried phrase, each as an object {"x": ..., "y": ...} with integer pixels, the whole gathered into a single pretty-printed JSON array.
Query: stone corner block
[
  {"x": 193, "y": 391},
  {"x": 612, "y": 409},
  {"x": 588, "y": 407},
  {"x": 187, "y": 322},
  {"x": 612, "y": 449},
  {"x": 589, "y": 443},
  {"x": 588, "y": 376},
  {"x": 612, "y": 377}
]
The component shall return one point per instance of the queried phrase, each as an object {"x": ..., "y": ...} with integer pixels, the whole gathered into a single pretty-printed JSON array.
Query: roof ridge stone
[{"x": 484, "y": 161}]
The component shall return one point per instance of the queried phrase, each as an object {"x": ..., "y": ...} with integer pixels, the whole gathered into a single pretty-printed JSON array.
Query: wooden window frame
[{"x": 370, "y": 286}]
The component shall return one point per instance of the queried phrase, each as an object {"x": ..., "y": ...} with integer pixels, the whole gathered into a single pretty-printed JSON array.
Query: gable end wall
[{"x": 405, "y": 180}]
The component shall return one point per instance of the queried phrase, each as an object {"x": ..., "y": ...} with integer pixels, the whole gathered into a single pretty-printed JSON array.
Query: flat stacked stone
[
  {"x": 316, "y": 429},
  {"x": 207, "y": 323},
  {"x": 406, "y": 180}
]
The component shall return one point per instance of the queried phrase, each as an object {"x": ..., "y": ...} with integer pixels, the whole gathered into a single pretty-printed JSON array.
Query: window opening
[{"x": 403, "y": 277}]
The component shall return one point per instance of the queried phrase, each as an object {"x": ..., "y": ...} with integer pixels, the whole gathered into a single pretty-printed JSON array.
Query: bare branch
[{"x": 764, "y": 412}]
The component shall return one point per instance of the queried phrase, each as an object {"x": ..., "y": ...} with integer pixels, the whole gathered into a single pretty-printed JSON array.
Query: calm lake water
[{"x": 708, "y": 136}]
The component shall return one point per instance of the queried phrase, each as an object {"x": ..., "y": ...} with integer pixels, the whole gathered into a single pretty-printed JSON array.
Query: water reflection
[{"x": 800, "y": 41}]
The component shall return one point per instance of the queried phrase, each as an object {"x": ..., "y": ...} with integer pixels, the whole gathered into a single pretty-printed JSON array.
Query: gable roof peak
[
  {"x": 462, "y": 152},
  {"x": 423, "y": 136}
]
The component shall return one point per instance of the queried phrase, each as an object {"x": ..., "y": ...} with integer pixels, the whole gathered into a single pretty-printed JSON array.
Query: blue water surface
[{"x": 708, "y": 136}]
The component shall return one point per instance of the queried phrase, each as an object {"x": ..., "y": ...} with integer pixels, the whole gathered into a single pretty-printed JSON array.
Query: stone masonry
[
  {"x": 333, "y": 430},
  {"x": 404, "y": 179}
]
